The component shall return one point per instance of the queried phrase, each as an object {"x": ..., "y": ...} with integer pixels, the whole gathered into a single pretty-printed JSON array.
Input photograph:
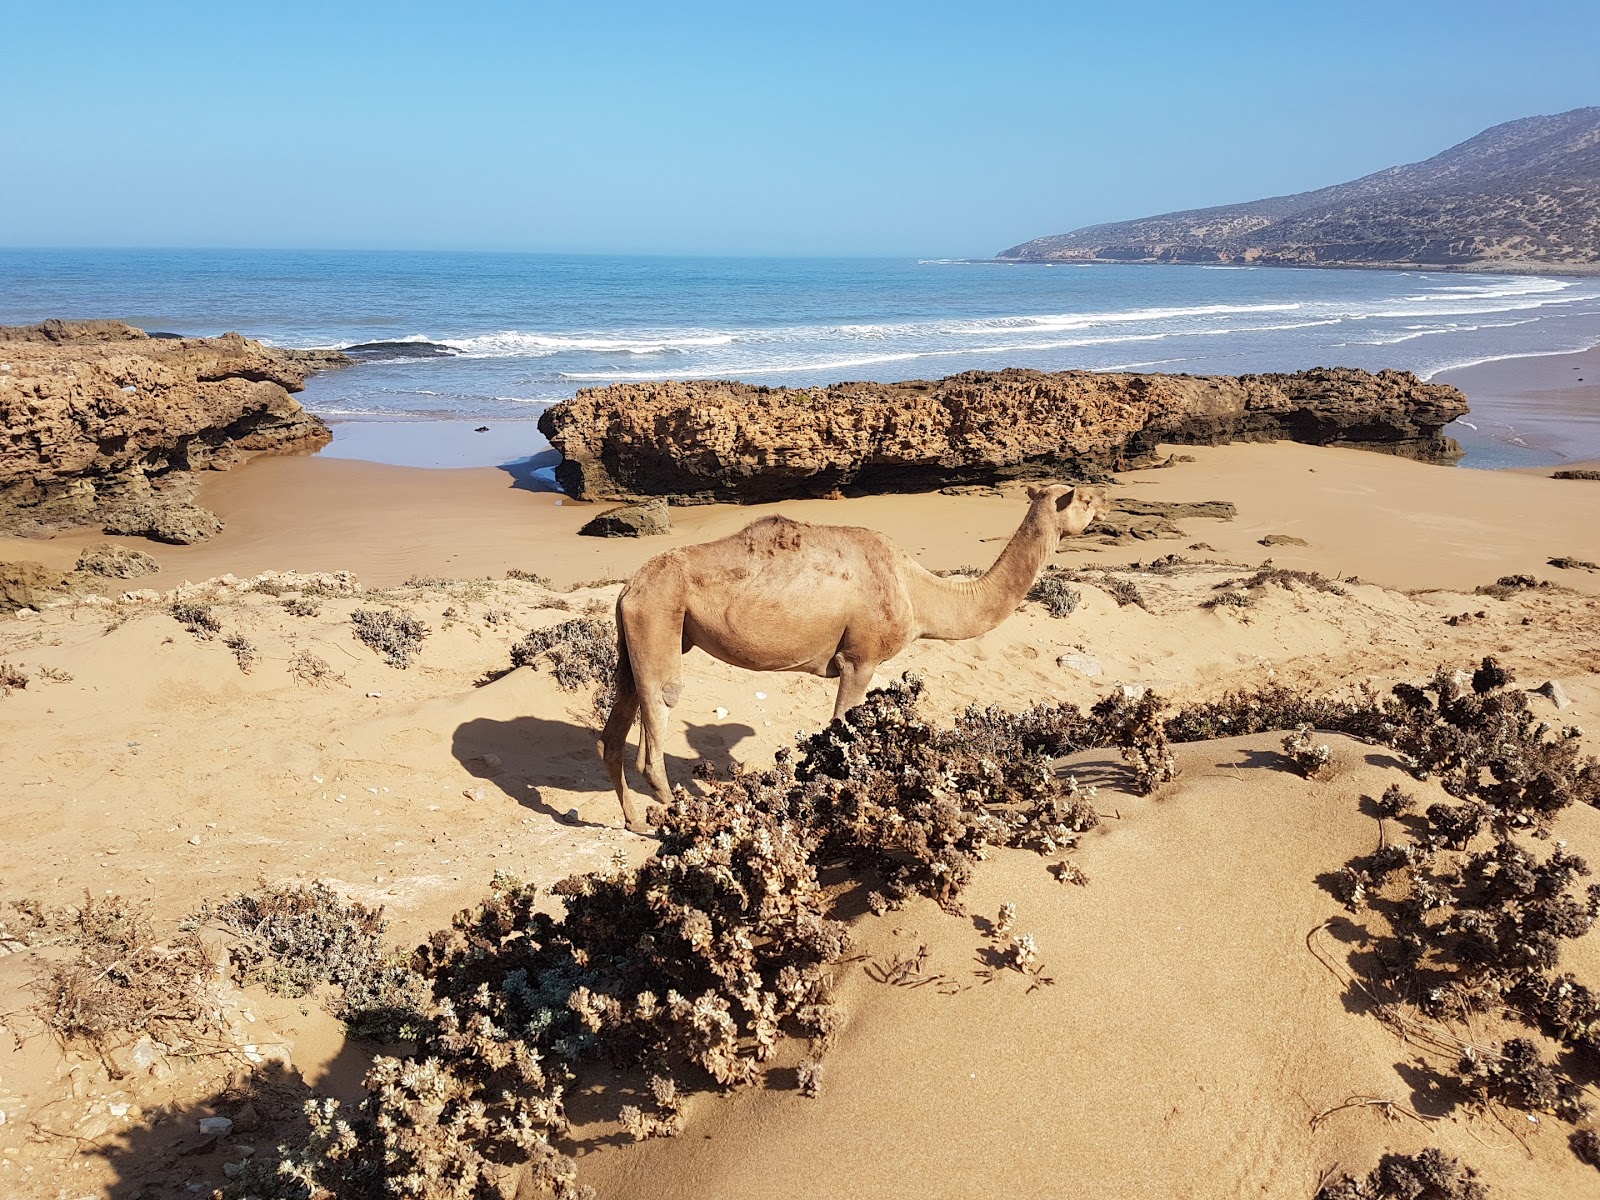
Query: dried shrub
[
  {"x": 918, "y": 806},
  {"x": 299, "y": 606},
  {"x": 532, "y": 577},
  {"x": 314, "y": 671},
  {"x": 1567, "y": 563},
  {"x": 1518, "y": 1076},
  {"x": 1429, "y": 1175},
  {"x": 428, "y": 581},
  {"x": 1586, "y": 1142},
  {"x": 1124, "y": 592},
  {"x": 1510, "y": 585},
  {"x": 1052, "y": 591},
  {"x": 124, "y": 980},
  {"x": 294, "y": 938},
  {"x": 1483, "y": 742},
  {"x": 198, "y": 619},
  {"x": 395, "y": 635},
  {"x": 1289, "y": 580},
  {"x": 1576, "y": 474},
  {"x": 1309, "y": 756},
  {"x": 12, "y": 676},
  {"x": 244, "y": 651},
  {"x": 1133, "y": 724},
  {"x": 1228, "y": 600},
  {"x": 1277, "y": 706},
  {"x": 579, "y": 652}
]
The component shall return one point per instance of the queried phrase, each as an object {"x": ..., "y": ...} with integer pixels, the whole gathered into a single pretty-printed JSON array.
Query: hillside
[{"x": 1524, "y": 195}]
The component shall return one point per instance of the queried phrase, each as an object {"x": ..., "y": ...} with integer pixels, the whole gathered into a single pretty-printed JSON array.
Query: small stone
[
  {"x": 232, "y": 1169},
  {"x": 1133, "y": 691},
  {"x": 194, "y": 840},
  {"x": 572, "y": 816},
  {"x": 1553, "y": 692},
  {"x": 1084, "y": 664},
  {"x": 761, "y": 695},
  {"x": 491, "y": 761},
  {"x": 374, "y": 695},
  {"x": 220, "y": 1126},
  {"x": 721, "y": 712},
  {"x": 475, "y": 794}
]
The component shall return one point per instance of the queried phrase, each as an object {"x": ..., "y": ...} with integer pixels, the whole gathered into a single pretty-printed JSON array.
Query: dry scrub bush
[
  {"x": 1576, "y": 473},
  {"x": 579, "y": 652},
  {"x": 395, "y": 635},
  {"x": 11, "y": 676},
  {"x": 532, "y": 577},
  {"x": 313, "y": 670},
  {"x": 1283, "y": 577},
  {"x": 244, "y": 651},
  {"x": 198, "y": 619},
  {"x": 1277, "y": 706},
  {"x": 123, "y": 980},
  {"x": 1052, "y": 591},
  {"x": 293, "y": 939},
  {"x": 1469, "y": 921},
  {"x": 1429, "y": 1175},
  {"x": 1309, "y": 756},
  {"x": 299, "y": 606},
  {"x": 1510, "y": 585}
]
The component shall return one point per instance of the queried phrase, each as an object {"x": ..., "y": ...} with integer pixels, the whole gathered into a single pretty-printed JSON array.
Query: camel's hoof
[{"x": 642, "y": 829}]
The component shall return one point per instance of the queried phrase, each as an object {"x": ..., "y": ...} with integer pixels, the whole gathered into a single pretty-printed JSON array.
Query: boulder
[
  {"x": 631, "y": 520},
  {"x": 103, "y": 421},
  {"x": 29, "y": 584},
  {"x": 726, "y": 441},
  {"x": 116, "y": 562}
]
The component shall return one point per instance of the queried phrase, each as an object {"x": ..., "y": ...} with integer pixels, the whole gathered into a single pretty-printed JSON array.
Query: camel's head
[{"x": 1072, "y": 507}]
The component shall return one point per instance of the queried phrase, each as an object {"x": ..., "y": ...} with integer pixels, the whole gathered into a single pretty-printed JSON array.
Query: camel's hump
[{"x": 779, "y": 533}]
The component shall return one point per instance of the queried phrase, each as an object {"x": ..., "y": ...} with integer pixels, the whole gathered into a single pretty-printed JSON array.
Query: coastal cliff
[
  {"x": 104, "y": 425},
  {"x": 697, "y": 441},
  {"x": 1522, "y": 196}
]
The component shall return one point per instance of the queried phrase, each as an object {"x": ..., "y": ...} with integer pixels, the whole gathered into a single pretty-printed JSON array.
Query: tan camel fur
[{"x": 829, "y": 600}]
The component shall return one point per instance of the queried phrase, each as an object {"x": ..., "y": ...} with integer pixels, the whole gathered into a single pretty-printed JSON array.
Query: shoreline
[{"x": 1544, "y": 406}]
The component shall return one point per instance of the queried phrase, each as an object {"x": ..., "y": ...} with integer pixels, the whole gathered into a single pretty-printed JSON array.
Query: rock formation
[
  {"x": 702, "y": 441},
  {"x": 1522, "y": 196},
  {"x": 101, "y": 424}
]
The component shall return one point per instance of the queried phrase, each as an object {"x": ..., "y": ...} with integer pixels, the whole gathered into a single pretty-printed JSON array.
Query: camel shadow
[{"x": 526, "y": 757}]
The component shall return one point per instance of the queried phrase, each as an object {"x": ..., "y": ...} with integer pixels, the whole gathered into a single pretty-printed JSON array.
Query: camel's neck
[{"x": 949, "y": 610}]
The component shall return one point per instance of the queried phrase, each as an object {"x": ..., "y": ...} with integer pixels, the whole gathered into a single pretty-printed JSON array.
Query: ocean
[{"x": 498, "y": 337}]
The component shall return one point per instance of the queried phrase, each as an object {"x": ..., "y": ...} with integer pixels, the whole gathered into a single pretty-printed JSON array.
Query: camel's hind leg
[
  {"x": 651, "y": 642},
  {"x": 613, "y": 748}
]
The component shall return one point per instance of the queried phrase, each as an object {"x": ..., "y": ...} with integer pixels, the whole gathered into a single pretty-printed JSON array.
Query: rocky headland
[
  {"x": 727, "y": 441},
  {"x": 105, "y": 425},
  {"x": 1522, "y": 196}
]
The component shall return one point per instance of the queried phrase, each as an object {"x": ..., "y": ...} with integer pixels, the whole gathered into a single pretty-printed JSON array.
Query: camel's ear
[
  {"x": 1034, "y": 493},
  {"x": 1065, "y": 500}
]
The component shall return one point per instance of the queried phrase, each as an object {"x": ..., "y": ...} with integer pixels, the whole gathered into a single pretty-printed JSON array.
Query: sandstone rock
[
  {"x": 180, "y": 524},
  {"x": 1281, "y": 539},
  {"x": 631, "y": 520},
  {"x": 116, "y": 562},
  {"x": 105, "y": 425},
  {"x": 30, "y": 585},
  {"x": 718, "y": 440}
]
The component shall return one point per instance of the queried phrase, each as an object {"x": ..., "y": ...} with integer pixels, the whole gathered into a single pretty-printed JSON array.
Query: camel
[{"x": 829, "y": 600}]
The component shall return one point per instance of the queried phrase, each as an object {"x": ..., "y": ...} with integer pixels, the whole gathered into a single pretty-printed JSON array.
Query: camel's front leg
[{"x": 854, "y": 680}]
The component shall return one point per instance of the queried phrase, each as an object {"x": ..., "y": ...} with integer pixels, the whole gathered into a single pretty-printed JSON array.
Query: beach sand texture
[{"x": 1190, "y": 1036}]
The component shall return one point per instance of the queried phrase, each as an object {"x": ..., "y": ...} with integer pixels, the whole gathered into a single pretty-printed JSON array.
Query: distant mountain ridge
[{"x": 1522, "y": 196}]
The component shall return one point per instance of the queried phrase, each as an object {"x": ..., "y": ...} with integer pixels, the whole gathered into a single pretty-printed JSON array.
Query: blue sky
[{"x": 817, "y": 128}]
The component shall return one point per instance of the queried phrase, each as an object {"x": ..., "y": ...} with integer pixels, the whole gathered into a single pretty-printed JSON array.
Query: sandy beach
[
  {"x": 1547, "y": 405},
  {"x": 1190, "y": 1034}
]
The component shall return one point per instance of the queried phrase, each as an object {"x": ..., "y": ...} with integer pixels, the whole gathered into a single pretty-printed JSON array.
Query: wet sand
[{"x": 1529, "y": 411}]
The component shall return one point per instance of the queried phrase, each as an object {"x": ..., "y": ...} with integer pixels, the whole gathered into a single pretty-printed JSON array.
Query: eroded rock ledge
[
  {"x": 104, "y": 425},
  {"x": 701, "y": 441}
]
